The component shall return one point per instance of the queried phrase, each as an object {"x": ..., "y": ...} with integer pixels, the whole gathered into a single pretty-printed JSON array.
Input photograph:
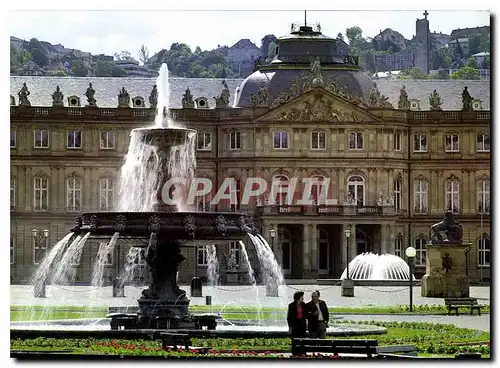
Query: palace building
[{"x": 397, "y": 154}]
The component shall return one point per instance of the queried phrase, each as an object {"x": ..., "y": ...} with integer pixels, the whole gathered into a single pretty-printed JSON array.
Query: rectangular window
[
  {"x": 355, "y": 141},
  {"x": 452, "y": 143},
  {"x": 318, "y": 140},
  {"x": 74, "y": 139},
  {"x": 41, "y": 194},
  {"x": 140, "y": 259},
  {"x": 236, "y": 195},
  {"x": 204, "y": 203},
  {"x": 202, "y": 255},
  {"x": 397, "y": 138},
  {"x": 41, "y": 139},
  {"x": 107, "y": 140},
  {"x": 280, "y": 140},
  {"x": 421, "y": 256},
  {"x": 483, "y": 197},
  {"x": 39, "y": 248},
  {"x": 12, "y": 194},
  {"x": 421, "y": 196},
  {"x": 234, "y": 252},
  {"x": 483, "y": 143},
  {"x": 13, "y": 138},
  {"x": 106, "y": 192},
  {"x": 204, "y": 141},
  {"x": 452, "y": 196},
  {"x": 398, "y": 247},
  {"x": 420, "y": 142},
  {"x": 234, "y": 140},
  {"x": 73, "y": 194},
  {"x": 12, "y": 250},
  {"x": 397, "y": 194},
  {"x": 483, "y": 248}
]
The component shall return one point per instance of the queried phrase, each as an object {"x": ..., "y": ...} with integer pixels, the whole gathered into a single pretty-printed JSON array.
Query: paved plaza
[{"x": 225, "y": 296}]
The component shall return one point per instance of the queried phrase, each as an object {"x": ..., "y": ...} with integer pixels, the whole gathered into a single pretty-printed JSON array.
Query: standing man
[{"x": 318, "y": 316}]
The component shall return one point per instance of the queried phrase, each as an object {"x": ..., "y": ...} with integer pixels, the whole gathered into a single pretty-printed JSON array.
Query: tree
[
  {"x": 471, "y": 62},
  {"x": 123, "y": 55},
  {"x": 116, "y": 71},
  {"x": 441, "y": 58},
  {"x": 143, "y": 54},
  {"x": 466, "y": 73},
  {"x": 61, "y": 73},
  {"x": 37, "y": 52},
  {"x": 104, "y": 68},
  {"x": 78, "y": 68},
  {"x": 357, "y": 44},
  {"x": 18, "y": 58}
]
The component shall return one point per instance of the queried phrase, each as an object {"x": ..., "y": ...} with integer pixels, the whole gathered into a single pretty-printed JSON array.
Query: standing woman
[{"x": 296, "y": 317}]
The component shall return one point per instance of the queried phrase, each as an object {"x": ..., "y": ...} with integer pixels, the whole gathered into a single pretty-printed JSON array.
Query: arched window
[
  {"x": 281, "y": 186},
  {"x": 421, "y": 196},
  {"x": 398, "y": 246},
  {"x": 398, "y": 185},
  {"x": 483, "y": 197},
  {"x": 286, "y": 251},
  {"x": 421, "y": 256},
  {"x": 356, "y": 188},
  {"x": 483, "y": 250},
  {"x": 452, "y": 197},
  {"x": 73, "y": 194}
]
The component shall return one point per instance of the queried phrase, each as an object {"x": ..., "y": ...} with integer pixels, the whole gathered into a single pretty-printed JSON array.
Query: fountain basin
[
  {"x": 163, "y": 137},
  {"x": 216, "y": 226},
  {"x": 372, "y": 266}
]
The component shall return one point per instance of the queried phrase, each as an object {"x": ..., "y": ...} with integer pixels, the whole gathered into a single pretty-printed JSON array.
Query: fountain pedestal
[
  {"x": 347, "y": 287},
  {"x": 445, "y": 275}
]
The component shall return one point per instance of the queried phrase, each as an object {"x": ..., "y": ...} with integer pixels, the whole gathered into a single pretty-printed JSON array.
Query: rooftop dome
[{"x": 292, "y": 62}]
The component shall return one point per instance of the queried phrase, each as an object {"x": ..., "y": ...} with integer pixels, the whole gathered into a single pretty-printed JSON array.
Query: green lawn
[
  {"x": 434, "y": 340},
  {"x": 231, "y": 313}
]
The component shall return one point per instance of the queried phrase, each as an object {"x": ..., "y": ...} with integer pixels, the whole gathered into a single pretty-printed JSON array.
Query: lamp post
[
  {"x": 272, "y": 233},
  {"x": 347, "y": 234},
  {"x": 347, "y": 286},
  {"x": 272, "y": 287},
  {"x": 40, "y": 238},
  {"x": 411, "y": 253}
]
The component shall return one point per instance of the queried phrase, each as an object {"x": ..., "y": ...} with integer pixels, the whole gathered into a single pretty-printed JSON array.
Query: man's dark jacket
[{"x": 312, "y": 319}]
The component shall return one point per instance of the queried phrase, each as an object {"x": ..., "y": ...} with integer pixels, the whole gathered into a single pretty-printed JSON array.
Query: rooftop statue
[
  {"x": 403, "y": 103},
  {"x": 466, "y": 100},
  {"x": 447, "y": 231},
  {"x": 376, "y": 99},
  {"x": 23, "y": 96},
  {"x": 187, "y": 100},
  {"x": 435, "y": 100},
  {"x": 153, "y": 97},
  {"x": 123, "y": 98},
  {"x": 317, "y": 78},
  {"x": 90, "y": 96},
  {"x": 223, "y": 100},
  {"x": 57, "y": 97}
]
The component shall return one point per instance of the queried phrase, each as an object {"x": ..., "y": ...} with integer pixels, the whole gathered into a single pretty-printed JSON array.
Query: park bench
[
  {"x": 455, "y": 303},
  {"x": 398, "y": 351},
  {"x": 179, "y": 341},
  {"x": 302, "y": 346}
]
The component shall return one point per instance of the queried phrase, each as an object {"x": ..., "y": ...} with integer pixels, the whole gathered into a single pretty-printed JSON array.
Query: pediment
[{"x": 318, "y": 105}]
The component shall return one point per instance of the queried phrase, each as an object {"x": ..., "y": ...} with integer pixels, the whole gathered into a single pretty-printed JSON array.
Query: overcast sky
[{"x": 112, "y": 31}]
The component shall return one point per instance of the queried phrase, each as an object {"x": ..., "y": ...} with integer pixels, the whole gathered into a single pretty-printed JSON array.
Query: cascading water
[
  {"x": 371, "y": 266},
  {"x": 212, "y": 266},
  {"x": 101, "y": 261},
  {"x": 64, "y": 271},
  {"x": 251, "y": 278}
]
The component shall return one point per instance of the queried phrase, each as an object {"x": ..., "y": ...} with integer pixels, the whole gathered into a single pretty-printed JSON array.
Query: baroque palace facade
[{"x": 395, "y": 155}]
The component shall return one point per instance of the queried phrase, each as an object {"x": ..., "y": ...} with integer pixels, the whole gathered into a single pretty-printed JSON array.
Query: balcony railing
[
  {"x": 325, "y": 210},
  {"x": 459, "y": 116}
]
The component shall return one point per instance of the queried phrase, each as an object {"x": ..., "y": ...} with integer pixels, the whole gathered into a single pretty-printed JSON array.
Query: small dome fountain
[{"x": 372, "y": 266}]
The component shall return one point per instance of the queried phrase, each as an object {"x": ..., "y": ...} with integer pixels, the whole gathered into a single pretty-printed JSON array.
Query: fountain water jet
[{"x": 371, "y": 266}]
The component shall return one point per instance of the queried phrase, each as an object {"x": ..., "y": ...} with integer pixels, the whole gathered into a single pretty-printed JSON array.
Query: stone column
[
  {"x": 432, "y": 194},
  {"x": 20, "y": 186},
  {"x": 472, "y": 191},
  {"x": 62, "y": 190},
  {"x": 314, "y": 248},
  {"x": 29, "y": 189},
  {"x": 392, "y": 239},
  {"x": 390, "y": 184},
  {"x": 305, "y": 248},
  {"x": 341, "y": 186},
  {"x": 353, "y": 251},
  {"x": 440, "y": 187},
  {"x": 383, "y": 238}
]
